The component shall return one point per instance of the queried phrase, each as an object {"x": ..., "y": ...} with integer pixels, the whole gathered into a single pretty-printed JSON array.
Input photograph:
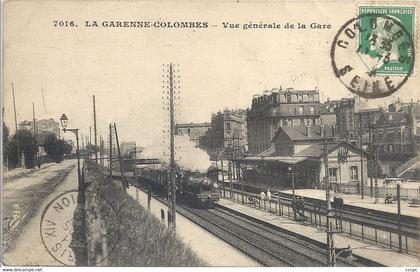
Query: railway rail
[{"x": 267, "y": 244}]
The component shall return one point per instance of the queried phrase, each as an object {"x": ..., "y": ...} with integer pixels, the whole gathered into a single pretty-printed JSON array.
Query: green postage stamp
[{"x": 378, "y": 22}]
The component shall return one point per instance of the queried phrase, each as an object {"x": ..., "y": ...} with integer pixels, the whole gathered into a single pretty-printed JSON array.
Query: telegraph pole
[
  {"x": 110, "y": 151},
  {"x": 94, "y": 130},
  {"x": 330, "y": 216},
  {"x": 101, "y": 150},
  {"x": 371, "y": 156},
  {"x": 361, "y": 155},
  {"x": 90, "y": 141},
  {"x": 34, "y": 130},
  {"x": 16, "y": 128},
  {"x": 125, "y": 185},
  {"x": 375, "y": 170},
  {"x": 172, "y": 136}
]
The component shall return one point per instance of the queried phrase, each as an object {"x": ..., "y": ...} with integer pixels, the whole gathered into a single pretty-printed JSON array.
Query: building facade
[
  {"x": 395, "y": 139},
  {"x": 43, "y": 128},
  {"x": 307, "y": 166},
  {"x": 195, "y": 131},
  {"x": 227, "y": 132},
  {"x": 365, "y": 120},
  {"x": 279, "y": 108},
  {"x": 289, "y": 141},
  {"x": 345, "y": 118},
  {"x": 48, "y": 125}
]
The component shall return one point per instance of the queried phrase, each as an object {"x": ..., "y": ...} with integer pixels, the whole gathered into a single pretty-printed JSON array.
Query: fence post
[
  {"x": 390, "y": 240},
  {"x": 399, "y": 218},
  {"x": 276, "y": 208},
  {"x": 362, "y": 232},
  {"x": 281, "y": 211}
]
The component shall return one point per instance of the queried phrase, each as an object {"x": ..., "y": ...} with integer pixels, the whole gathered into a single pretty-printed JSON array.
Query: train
[{"x": 194, "y": 188}]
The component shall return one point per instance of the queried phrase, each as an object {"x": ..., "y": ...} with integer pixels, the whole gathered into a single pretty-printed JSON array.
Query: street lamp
[
  {"x": 78, "y": 244},
  {"x": 64, "y": 120},
  {"x": 292, "y": 174}
]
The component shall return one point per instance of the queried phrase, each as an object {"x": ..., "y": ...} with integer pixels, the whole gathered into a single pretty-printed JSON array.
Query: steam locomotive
[{"x": 192, "y": 187}]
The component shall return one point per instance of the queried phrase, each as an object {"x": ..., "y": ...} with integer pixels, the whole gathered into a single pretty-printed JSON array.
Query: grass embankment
[{"x": 137, "y": 238}]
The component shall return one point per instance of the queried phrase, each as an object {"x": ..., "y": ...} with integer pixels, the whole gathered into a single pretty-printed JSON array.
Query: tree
[
  {"x": 56, "y": 148},
  {"x": 27, "y": 145},
  {"x": 53, "y": 148},
  {"x": 5, "y": 141},
  {"x": 67, "y": 148}
]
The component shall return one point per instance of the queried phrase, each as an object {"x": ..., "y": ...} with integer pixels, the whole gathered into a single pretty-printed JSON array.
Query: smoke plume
[{"x": 187, "y": 156}]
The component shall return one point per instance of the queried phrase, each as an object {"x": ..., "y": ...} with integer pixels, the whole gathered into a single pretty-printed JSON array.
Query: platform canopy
[{"x": 276, "y": 159}]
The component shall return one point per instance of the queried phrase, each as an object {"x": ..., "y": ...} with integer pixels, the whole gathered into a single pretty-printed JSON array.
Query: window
[
  {"x": 300, "y": 97},
  {"x": 189, "y": 131},
  {"x": 390, "y": 136},
  {"x": 354, "y": 175},
  {"x": 228, "y": 126},
  {"x": 300, "y": 110},
  {"x": 288, "y": 98},
  {"x": 332, "y": 174},
  {"x": 390, "y": 148},
  {"x": 311, "y": 110},
  {"x": 311, "y": 97},
  {"x": 302, "y": 122}
]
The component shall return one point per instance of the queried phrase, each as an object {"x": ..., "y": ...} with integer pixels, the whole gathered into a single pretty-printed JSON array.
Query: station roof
[
  {"x": 317, "y": 150},
  {"x": 275, "y": 159},
  {"x": 148, "y": 161},
  {"x": 300, "y": 133}
]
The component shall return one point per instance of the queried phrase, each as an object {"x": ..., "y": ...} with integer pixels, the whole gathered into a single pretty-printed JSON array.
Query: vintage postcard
[{"x": 210, "y": 134}]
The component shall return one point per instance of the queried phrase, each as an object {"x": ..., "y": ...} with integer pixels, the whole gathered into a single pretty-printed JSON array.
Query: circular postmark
[
  {"x": 373, "y": 55},
  {"x": 75, "y": 228}
]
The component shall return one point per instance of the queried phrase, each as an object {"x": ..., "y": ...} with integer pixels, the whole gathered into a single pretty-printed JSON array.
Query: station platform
[
  {"x": 375, "y": 253},
  {"x": 349, "y": 199},
  {"x": 356, "y": 200}
]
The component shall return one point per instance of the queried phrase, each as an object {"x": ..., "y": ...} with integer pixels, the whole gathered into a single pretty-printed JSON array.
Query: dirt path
[{"x": 23, "y": 197}]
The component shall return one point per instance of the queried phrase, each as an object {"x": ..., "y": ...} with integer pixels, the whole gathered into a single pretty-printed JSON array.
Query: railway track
[{"x": 268, "y": 245}]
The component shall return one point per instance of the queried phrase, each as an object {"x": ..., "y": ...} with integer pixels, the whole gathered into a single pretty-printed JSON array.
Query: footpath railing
[
  {"x": 406, "y": 193},
  {"x": 314, "y": 214}
]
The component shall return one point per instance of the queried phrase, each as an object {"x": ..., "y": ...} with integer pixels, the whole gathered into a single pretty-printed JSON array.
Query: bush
[
  {"x": 56, "y": 148},
  {"x": 27, "y": 147},
  {"x": 143, "y": 239}
]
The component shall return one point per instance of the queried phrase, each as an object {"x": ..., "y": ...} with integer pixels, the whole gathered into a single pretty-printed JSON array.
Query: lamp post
[
  {"x": 64, "y": 120},
  {"x": 292, "y": 174}
]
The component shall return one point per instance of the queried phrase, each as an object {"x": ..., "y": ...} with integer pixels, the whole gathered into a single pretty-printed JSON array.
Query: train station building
[{"x": 298, "y": 153}]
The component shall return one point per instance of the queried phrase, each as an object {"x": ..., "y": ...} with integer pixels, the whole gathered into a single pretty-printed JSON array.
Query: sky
[{"x": 219, "y": 68}]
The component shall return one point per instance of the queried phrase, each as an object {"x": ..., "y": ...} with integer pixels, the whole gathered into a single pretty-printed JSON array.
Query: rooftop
[
  {"x": 316, "y": 150},
  {"x": 299, "y": 133},
  {"x": 205, "y": 124}
]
